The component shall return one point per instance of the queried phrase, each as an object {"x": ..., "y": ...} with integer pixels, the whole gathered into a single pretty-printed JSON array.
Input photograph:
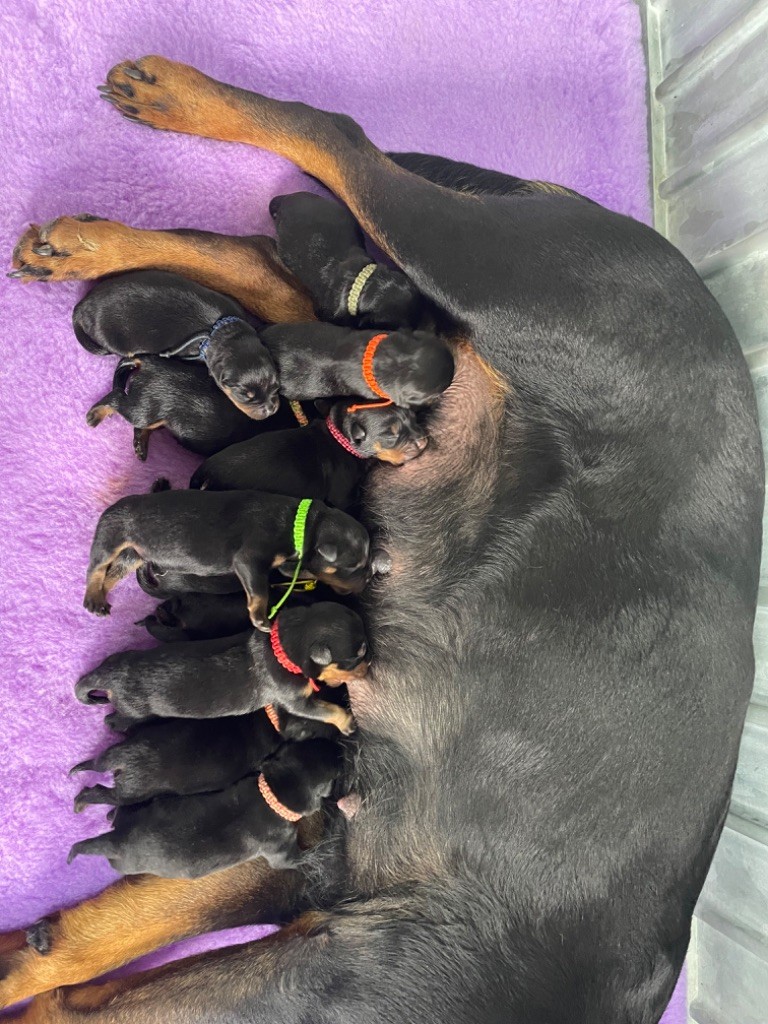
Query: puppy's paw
[
  {"x": 345, "y": 723},
  {"x": 118, "y": 722},
  {"x": 160, "y": 93},
  {"x": 96, "y": 604}
]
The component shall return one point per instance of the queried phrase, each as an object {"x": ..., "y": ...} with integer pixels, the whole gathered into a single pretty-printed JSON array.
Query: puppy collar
[
  {"x": 203, "y": 341},
  {"x": 369, "y": 378},
  {"x": 299, "y": 530},
  {"x": 298, "y": 412},
  {"x": 353, "y": 299},
  {"x": 274, "y": 804},
  {"x": 346, "y": 444},
  {"x": 271, "y": 712},
  {"x": 282, "y": 658}
]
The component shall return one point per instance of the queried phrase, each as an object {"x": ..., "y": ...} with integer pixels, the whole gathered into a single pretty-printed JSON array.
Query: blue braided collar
[{"x": 203, "y": 340}]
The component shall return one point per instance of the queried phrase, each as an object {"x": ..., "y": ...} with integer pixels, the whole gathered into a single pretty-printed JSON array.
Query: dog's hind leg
[
  {"x": 140, "y": 914},
  {"x": 86, "y": 247}
]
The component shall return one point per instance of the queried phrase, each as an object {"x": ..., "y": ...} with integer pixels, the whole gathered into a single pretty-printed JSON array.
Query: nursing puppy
[
  {"x": 181, "y": 756},
  {"x": 191, "y": 836},
  {"x": 320, "y": 460},
  {"x": 237, "y": 675},
  {"x": 409, "y": 368},
  {"x": 214, "y": 533},
  {"x": 321, "y": 242},
  {"x": 151, "y": 392},
  {"x": 152, "y": 311}
]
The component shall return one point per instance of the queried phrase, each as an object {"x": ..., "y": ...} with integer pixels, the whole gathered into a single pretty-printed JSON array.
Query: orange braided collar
[
  {"x": 370, "y": 379},
  {"x": 274, "y": 804},
  {"x": 271, "y": 712}
]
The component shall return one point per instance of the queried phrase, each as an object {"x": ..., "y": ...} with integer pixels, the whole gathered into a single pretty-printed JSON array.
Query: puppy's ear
[
  {"x": 320, "y": 654},
  {"x": 357, "y": 430},
  {"x": 328, "y": 551}
]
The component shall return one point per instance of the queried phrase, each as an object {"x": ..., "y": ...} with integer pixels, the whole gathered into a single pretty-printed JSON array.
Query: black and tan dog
[
  {"x": 151, "y": 311},
  {"x": 409, "y": 368},
  {"x": 212, "y": 533},
  {"x": 325, "y": 460},
  {"x": 190, "y": 836},
  {"x": 151, "y": 392},
  {"x": 181, "y": 756},
  {"x": 238, "y": 674},
  {"x": 576, "y": 552},
  {"x": 321, "y": 242}
]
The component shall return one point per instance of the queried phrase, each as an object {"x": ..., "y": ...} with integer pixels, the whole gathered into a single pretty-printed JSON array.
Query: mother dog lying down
[{"x": 562, "y": 651}]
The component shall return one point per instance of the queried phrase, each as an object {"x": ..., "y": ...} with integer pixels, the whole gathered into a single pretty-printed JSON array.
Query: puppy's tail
[{"x": 98, "y": 846}]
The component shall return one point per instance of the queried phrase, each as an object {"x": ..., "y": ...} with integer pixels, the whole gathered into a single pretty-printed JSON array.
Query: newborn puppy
[
  {"x": 192, "y": 836},
  {"x": 214, "y": 533},
  {"x": 182, "y": 756},
  {"x": 236, "y": 675},
  {"x": 320, "y": 460},
  {"x": 152, "y": 311},
  {"x": 321, "y": 242},
  {"x": 409, "y": 368},
  {"x": 195, "y": 616},
  {"x": 151, "y": 392}
]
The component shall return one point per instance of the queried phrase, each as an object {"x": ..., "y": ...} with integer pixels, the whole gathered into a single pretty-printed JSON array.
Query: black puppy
[
  {"x": 191, "y": 836},
  {"x": 152, "y": 392},
  {"x": 159, "y": 582},
  {"x": 152, "y": 311},
  {"x": 321, "y": 242},
  {"x": 236, "y": 675},
  {"x": 213, "y": 533},
  {"x": 409, "y": 368},
  {"x": 318, "y": 461},
  {"x": 181, "y": 756},
  {"x": 198, "y": 616}
]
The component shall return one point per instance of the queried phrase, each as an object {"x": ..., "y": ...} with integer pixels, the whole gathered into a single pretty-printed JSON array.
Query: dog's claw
[
  {"x": 43, "y": 250},
  {"x": 125, "y": 89},
  {"x": 135, "y": 74},
  {"x": 15, "y": 274},
  {"x": 40, "y": 936}
]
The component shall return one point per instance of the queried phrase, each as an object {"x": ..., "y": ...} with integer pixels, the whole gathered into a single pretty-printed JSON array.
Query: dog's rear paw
[
  {"x": 40, "y": 936},
  {"x": 65, "y": 249},
  {"x": 158, "y": 92}
]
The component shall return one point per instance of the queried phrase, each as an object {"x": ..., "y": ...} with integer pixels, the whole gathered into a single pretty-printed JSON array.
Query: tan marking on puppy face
[
  {"x": 393, "y": 456},
  {"x": 332, "y": 675},
  {"x": 248, "y": 410}
]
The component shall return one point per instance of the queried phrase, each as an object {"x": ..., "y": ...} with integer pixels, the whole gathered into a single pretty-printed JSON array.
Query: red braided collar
[
  {"x": 285, "y": 662},
  {"x": 337, "y": 435}
]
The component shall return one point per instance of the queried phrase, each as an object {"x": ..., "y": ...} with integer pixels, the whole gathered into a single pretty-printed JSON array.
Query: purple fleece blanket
[{"x": 540, "y": 89}]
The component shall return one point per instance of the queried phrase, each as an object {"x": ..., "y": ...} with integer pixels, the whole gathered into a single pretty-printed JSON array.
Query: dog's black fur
[
  {"x": 322, "y": 361},
  {"x": 190, "y": 836},
  {"x": 152, "y": 311},
  {"x": 309, "y": 462},
  {"x": 237, "y": 674},
  {"x": 321, "y": 242},
  {"x": 563, "y": 662},
  {"x": 181, "y": 756},
  {"x": 198, "y": 616},
  {"x": 152, "y": 392},
  {"x": 212, "y": 533}
]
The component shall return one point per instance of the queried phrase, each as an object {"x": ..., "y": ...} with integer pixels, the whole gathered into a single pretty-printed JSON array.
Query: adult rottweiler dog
[{"x": 562, "y": 650}]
